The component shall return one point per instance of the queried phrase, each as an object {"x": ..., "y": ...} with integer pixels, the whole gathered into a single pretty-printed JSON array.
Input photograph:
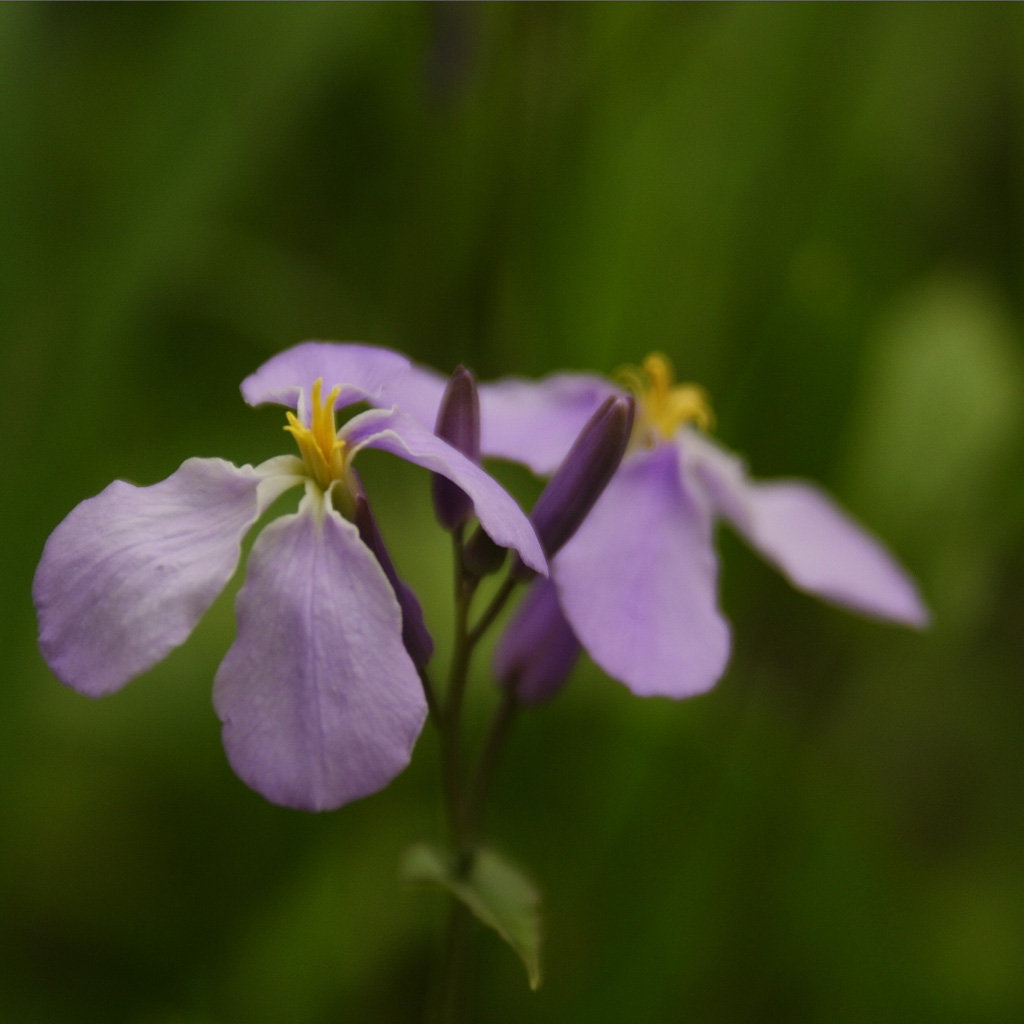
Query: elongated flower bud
[
  {"x": 458, "y": 423},
  {"x": 416, "y": 639},
  {"x": 584, "y": 473},
  {"x": 538, "y": 648}
]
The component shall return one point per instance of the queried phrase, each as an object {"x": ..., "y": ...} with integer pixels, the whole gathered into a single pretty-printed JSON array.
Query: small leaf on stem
[{"x": 500, "y": 896}]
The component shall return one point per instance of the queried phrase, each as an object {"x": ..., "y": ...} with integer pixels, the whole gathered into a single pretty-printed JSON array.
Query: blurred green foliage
[{"x": 816, "y": 210}]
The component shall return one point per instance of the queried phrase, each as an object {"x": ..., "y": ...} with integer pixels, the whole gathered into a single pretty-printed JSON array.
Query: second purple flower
[{"x": 637, "y": 584}]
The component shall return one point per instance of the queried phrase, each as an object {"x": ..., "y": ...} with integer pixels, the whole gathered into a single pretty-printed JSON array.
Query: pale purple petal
[
  {"x": 638, "y": 582},
  {"x": 537, "y": 650},
  {"x": 320, "y": 701},
  {"x": 536, "y": 422},
  {"x": 801, "y": 531},
  {"x": 499, "y": 515},
  {"x": 532, "y": 422},
  {"x": 127, "y": 575},
  {"x": 417, "y": 392},
  {"x": 360, "y": 370}
]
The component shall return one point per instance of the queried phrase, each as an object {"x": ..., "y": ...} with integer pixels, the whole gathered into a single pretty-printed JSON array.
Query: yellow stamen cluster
[
  {"x": 661, "y": 405},
  {"x": 321, "y": 448}
]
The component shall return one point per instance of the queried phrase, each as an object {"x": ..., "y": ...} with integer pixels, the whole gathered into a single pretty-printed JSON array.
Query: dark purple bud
[
  {"x": 458, "y": 423},
  {"x": 481, "y": 556},
  {"x": 583, "y": 475},
  {"x": 538, "y": 648},
  {"x": 415, "y": 637}
]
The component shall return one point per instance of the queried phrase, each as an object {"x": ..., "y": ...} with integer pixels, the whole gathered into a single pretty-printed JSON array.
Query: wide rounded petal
[
  {"x": 127, "y": 575},
  {"x": 638, "y": 582},
  {"x": 814, "y": 543},
  {"x": 320, "y": 702},
  {"x": 360, "y": 370},
  {"x": 499, "y": 515}
]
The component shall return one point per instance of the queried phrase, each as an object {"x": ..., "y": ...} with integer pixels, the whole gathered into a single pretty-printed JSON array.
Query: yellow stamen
[
  {"x": 321, "y": 448},
  {"x": 661, "y": 405}
]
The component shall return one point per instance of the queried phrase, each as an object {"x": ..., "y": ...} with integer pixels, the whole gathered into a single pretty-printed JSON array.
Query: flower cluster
[{"x": 323, "y": 691}]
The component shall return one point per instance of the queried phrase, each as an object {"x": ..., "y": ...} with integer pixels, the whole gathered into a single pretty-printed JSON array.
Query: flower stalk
[{"x": 325, "y": 687}]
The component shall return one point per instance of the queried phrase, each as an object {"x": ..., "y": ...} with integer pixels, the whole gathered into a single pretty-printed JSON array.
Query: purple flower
[
  {"x": 319, "y": 698},
  {"x": 637, "y": 583}
]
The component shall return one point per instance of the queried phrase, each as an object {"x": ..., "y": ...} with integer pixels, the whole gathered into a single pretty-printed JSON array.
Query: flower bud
[
  {"x": 415, "y": 637},
  {"x": 458, "y": 423},
  {"x": 584, "y": 473},
  {"x": 537, "y": 650},
  {"x": 482, "y": 556}
]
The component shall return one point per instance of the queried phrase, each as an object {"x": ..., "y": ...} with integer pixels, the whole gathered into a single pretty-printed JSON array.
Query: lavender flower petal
[
  {"x": 532, "y": 422},
  {"x": 320, "y": 701},
  {"x": 814, "y": 543},
  {"x": 500, "y": 516},
  {"x": 360, "y": 370},
  {"x": 537, "y": 650},
  {"x": 537, "y": 422},
  {"x": 637, "y": 582},
  {"x": 126, "y": 576},
  {"x": 417, "y": 392}
]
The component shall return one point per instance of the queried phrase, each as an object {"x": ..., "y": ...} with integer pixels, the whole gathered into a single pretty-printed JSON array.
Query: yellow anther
[
  {"x": 661, "y": 405},
  {"x": 319, "y": 445}
]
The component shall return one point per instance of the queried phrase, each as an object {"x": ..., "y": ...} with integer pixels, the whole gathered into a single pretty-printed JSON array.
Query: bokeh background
[{"x": 815, "y": 210}]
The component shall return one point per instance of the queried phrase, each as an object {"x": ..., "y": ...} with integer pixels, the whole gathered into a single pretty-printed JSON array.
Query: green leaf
[{"x": 500, "y": 895}]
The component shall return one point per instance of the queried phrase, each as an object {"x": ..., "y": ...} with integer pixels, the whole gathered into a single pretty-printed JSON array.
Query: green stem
[
  {"x": 433, "y": 707},
  {"x": 493, "y": 745},
  {"x": 454, "y": 962},
  {"x": 448, "y": 719},
  {"x": 493, "y": 610},
  {"x": 451, "y": 717},
  {"x": 463, "y": 812}
]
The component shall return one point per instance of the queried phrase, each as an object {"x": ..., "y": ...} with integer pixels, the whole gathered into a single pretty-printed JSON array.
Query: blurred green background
[{"x": 815, "y": 210}]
